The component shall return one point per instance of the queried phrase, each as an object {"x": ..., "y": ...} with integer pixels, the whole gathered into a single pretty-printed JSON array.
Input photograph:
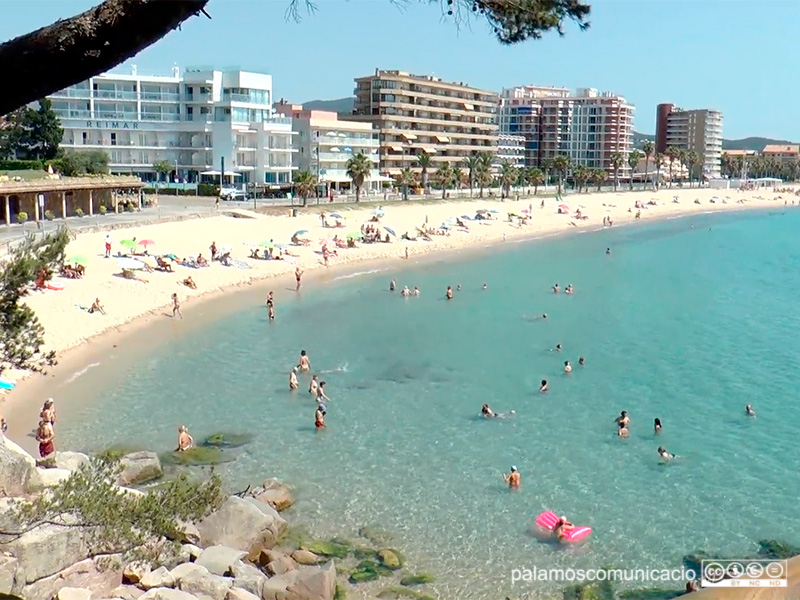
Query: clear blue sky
[{"x": 731, "y": 55}]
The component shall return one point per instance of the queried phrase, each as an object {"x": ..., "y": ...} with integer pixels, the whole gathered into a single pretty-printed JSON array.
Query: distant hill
[
  {"x": 345, "y": 106},
  {"x": 750, "y": 143},
  {"x": 341, "y": 105}
]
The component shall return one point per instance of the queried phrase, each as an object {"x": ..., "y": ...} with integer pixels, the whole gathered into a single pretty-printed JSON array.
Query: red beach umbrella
[{"x": 146, "y": 243}]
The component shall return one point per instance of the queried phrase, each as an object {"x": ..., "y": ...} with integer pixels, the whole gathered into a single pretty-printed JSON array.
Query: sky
[{"x": 735, "y": 56}]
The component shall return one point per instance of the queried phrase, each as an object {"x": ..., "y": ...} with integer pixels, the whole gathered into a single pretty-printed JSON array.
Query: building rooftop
[
  {"x": 780, "y": 149},
  {"x": 430, "y": 78}
]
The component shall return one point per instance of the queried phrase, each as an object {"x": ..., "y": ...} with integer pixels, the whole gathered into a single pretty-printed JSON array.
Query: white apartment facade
[
  {"x": 324, "y": 144},
  {"x": 193, "y": 121},
  {"x": 587, "y": 126},
  {"x": 511, "y": 149}
]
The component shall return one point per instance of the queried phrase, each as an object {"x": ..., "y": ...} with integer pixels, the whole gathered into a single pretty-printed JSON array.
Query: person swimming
[
  {"x": 622, "y": 431},
  {"x": 582, "y": 361},
  {"x": 392, "y": 285},
  {"x": 665, "y": 456},
  {"x": 562, "y": 528},
  {"x": 557, "y": 348},
  {"x": 556, "y": 289},
  {"x": 657, "y": 425},
  {"x": 623, "y": 418},
  {"x": 458, "y": 287},
  {"x": 543, "y": 386},
  {"x": 570, "y": 289},
  {"x": 608, "y": 250},
  {"x": 567, "y": 367},
  {"x": 486, "y": 411},
  {"x": 485, "y": 287},
  {"x": 293, "y": 383},
  {"x": 405, "y": 292},
  {"x": 449, "y": 293},
  {"x": 513, "y": 479},
  {"x": 749, "y": 410}
]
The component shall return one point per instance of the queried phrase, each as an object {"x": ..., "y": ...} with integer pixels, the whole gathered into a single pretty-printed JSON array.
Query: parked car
[{"x": 232, "y": 194}]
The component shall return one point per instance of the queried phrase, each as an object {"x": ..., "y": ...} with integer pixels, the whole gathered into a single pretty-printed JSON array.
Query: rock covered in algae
[
  {"x": 417, "y": 579},
  {"x": 401, "y": 592},
  {"x": 335, "y": 548},
  {"x": 227, "y": 439},
  {"x": 777, "y": 549},
  {"x": 198, "y": 456},
  {"x": 369, "y": 570},
  {"x": 117, "y": 451},
  {"x": 375, "y": 535},
  {"x": 390, "y": 559}
]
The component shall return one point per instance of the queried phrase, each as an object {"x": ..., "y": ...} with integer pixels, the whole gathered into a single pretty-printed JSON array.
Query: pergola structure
[{"x": 62, "y": 197}]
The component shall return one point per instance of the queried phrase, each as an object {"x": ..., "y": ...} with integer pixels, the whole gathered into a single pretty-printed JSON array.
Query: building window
[
  {"x": 85, "y": 137},
  {"x": 113, "y": 139}
]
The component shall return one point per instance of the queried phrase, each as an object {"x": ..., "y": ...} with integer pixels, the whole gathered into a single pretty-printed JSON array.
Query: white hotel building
[{"x": 191, "y": 121}]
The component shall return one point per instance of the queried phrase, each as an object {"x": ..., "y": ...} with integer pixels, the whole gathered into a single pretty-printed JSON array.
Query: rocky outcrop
[
  {"x": 9, "y": 567},
  {"x": 139, "y": 468},
  {"x": 16, "y": 467},
  {"x": 166, "y": 594},
  {"x": 248, "y": 577},
  {"x": 71, "y": 461},
  {"x": 182, "y": 570},
  {"x": 42, "y": 478},
  {"x": 71, "y": 593},
  {"x": 219, "y": 559},
  {"x": 236, "y": 593},
  {"x": 307, "y": 583},
  {"x": 133, "y": 572},
  {"x": 206, "y": 585},
  {"x": 47, "y": 550},
  {"x": 242, "y": 523},
  {"x": 91, "y": 574},
  {"x": 275, "y": 494},
  {"x": 280, "y": 565},
  {"x": 126, "y": 592},
  {"x": 159, "y": 578},
  {"x": 304, "y": 557}
]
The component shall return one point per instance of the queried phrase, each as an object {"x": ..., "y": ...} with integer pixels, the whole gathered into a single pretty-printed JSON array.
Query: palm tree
[
  {"x": 682, "y": 162},
  {"x": 658, "y": 161},
  {"x": 358, "y": 168},
  {"x": 406, "y": 178},
  {"x": 633, "y": 162},
  {"x": 673, "y": 154},
  {"x": 522, "y": 179},
  {"x": 471, "y": 165},
  {"x": 508, "y": 177},
  {"x": 536, "y": 177},
  {"x": 561, "y": 165},
  {"x": 648, "y": 148},
  {"x": 580, "y": 176},
  {"x": 616, "y": 160},
  {"x": 458, "y": 176},
  {"x": 692, "y": 159},
  {"x": 445, "y": 177},
  {"x": 305, "y": 184},
  {"x": 599, "y": 177},
  {"x": 483, "y": 172},
  {"x": 424, "y": 161}
]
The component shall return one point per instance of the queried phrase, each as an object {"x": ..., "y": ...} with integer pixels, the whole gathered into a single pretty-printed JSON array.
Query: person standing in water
[
  {"x": 185, "y": 441},
  {"x": 176, "y": 306},
  {"x": 749, "y": 410},
  {"x": 319, "y": 417},
  {"x": 567, "y": 367},
  {"x": 321, "y": 397},
  {"x": 298, "y": 274},
  {"x": 392, "y": 285},
  {"x": 513, "y": 478},
  {"x": 293, "y": 383},
  {"x": 556, "y": 289},
  {"x": 657, "y": 425},
  {"x": 313, "y": 385},
  {"x": 543, "y": 387},
  {"x": 623, "y": 430},
  {"x": 665, "y": 456},
  {"x": 304, "y": 364},
  {"x": 449, "y": 293},
  {"x": 46, "y": 438},
  {"x": 623, "y": 418}
]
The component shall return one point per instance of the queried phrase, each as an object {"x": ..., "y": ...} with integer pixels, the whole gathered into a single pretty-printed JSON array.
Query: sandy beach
[{"x": 68, "y": 323}]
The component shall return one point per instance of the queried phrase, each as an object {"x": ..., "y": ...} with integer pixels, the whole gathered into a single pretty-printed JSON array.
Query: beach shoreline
[{"x": 76, "y": 346}]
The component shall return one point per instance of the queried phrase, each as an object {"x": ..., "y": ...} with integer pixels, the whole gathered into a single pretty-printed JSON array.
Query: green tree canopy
[{"x": 31, "y": 133}]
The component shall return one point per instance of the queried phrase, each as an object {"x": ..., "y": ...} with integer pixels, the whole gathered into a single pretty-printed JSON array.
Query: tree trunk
[
  {"x": 444, "y": 192},
  {"x": 535, "y": 188},
  {"x": 646, "y": 165},
  {"x": 70, "y": 51}
]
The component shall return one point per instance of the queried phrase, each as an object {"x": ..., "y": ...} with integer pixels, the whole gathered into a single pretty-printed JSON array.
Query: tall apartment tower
[
  {"x": 421, "y": 114},
  {"x": 699, "y": 130},
  {"x": 587, "y": 126}
]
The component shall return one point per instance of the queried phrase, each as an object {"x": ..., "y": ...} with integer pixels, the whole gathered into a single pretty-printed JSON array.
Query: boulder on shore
[
  {"x": 139, "y": 468},
  {"x": 91, "y": 574},
  {"x": 307, "y": 583},
  {"x": 166, "y": 594},
  {"x": 160, "y": 578},
  {"x": 206, "y": 585},
  {"x": 242, "y": 523},
  {"x": 42, "y": 478},
  {"x": 71, "y": 461},
  {"x": 276, "y": 494},
  {"x": 47, "y": 549},
  {"x": 219, "y": 559},
  {"x": 16, "y": 467}
]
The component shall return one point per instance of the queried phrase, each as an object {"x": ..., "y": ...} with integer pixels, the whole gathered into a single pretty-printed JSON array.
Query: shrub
[
  {"x": 22, "y": 217},
  {"x": 48, "y": 214},
  {"x": 21, "y": 165},
  {"x": 102, "y": 210},
  {"x": 207, "y": 189},
  {"x": 79, "y": 212}
]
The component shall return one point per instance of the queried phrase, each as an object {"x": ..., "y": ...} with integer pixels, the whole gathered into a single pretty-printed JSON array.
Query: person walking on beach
[
  {"x": 108, "y": 246},
  {"x": 513, "y": 478},
  {"x": 213, "y": 249},
  {"x": 185, "y": 441},
  {"x": 176, "y": 306},
  {"x": 298, "y": 273},
  {"x": 304, "y": 363}
]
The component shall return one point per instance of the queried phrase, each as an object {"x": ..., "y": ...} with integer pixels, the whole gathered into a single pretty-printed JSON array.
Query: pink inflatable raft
[{"x": 548, "y": 520}]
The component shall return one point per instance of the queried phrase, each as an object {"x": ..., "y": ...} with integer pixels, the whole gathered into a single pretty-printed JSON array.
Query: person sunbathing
[
  {"x": 163, "y": 265},
  {"x": 562, "y": 528},
  {"x": 189, "y": 282},
  {"x": 128, "y": 274},
  {"x": 97, "y": 307},
  {"x": 201, "y": 262}
]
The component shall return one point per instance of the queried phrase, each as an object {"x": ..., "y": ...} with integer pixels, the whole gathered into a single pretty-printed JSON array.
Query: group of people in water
[{"x": 315, "y": 387}]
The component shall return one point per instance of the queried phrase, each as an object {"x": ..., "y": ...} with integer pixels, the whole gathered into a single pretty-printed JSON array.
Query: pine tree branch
[{"x": 54, "y": 57}]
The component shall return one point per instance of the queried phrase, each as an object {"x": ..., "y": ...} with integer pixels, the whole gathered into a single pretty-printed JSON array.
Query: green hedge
[
  {"x": 21, "y": 165},
  {"x": 168, "y": 191},
  {"x": 207, "y": 189}
]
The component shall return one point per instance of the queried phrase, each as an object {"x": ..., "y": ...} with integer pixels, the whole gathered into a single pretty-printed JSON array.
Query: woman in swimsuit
[
  {"x": 185, "y": 441},
  {"x": 48, "y": 414},
  {"x": 293, "y": 383},
  {"x": 562, "y": 528},
  {"x": 319, "y": 418},
  {"x": 45, "y": 436}
]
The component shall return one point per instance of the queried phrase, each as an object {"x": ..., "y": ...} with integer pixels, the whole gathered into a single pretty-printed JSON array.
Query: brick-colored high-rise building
[{"x": 699, "y": 130}]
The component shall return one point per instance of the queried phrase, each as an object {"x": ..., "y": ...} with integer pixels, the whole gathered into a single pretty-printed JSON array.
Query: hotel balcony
[
  {"x": 160, "y": 117},
  {"x": 114, "y": 95},
  {"x": 83, "y": 93},
  {"x": 160, "y": 97}
]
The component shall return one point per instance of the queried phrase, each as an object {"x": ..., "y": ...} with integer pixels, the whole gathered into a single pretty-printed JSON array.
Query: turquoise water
[{"x": 680, "y": 322}]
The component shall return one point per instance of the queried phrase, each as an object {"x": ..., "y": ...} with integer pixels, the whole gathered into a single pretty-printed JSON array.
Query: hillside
[{"x": 345, "y": 106}]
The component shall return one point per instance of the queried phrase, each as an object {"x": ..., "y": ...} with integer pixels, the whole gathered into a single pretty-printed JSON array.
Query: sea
[{"x": 686, "y": 320}]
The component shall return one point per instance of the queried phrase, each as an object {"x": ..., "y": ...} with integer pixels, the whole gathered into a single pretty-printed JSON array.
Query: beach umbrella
[
  {"x": 494, "y": 212},
  {"x": 128, "y": 243},
  {"x": 171, "y": 256},
  {"x": 390, "y": 231},
  {"x": 267, "y": 244},
  {"x": 355, "y": 235},
  {"x": 78, "y": 259},
  {"x": 281, "y": 246},
  {"x": 130, "y": 264},
  {"x": 146, "y": 243},
  {"x": 466, "y": 217},
  {"x": 482, "y": 211},
  {"x": 444, "y": 226},
  {"x": 335, "y": 216},
  {"x": 563, "y": 208},
  {"x": 299, "y": 233}
]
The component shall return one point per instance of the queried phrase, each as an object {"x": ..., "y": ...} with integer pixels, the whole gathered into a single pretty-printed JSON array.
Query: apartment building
[
  {"x": 783, "y": 152},
  {"x": 192, "y": 121},
  {"x": 325, "y": 143},
  {"x": 587, "y": 126},
  {"x": 699, "y": 130},
  {"x": 423, "y": 115},
  {"x": 511, "y": 150}
]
